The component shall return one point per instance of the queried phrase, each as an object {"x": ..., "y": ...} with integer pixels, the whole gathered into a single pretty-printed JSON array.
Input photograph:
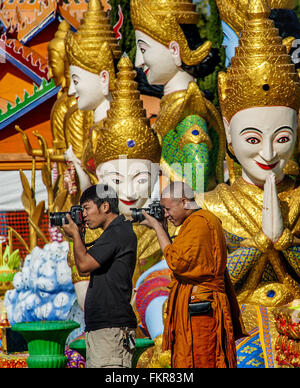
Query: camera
[
  {"x": 155, "y": 210},
  {"x": 60, "y": 218}
]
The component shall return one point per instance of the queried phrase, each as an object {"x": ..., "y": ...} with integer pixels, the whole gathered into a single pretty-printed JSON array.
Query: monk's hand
[
  {"x": 70, "y": 229},
  {"x": 272, "y": 222},
  {"x": 150, "y": 221}
]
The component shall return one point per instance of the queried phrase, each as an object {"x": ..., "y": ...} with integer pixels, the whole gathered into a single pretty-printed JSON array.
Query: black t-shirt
[{"x": 107, "y": 302}]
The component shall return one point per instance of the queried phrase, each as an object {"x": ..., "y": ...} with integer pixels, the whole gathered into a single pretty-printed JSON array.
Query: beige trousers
[{"x": 105, "y": 348}]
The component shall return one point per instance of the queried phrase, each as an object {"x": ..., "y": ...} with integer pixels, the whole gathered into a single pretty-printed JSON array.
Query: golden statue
[
  {"x": 65, "y": 131},
  {"x": 91, "y": 55},
  {"x": 126, "y": 153},
  {"x": 259, "y": 99},
  {"x": 233, "y": 15},
  {"x": 88, "y": 53},
  {"x": 190, "y": 126},
  {"x": 70, "y": 126}
]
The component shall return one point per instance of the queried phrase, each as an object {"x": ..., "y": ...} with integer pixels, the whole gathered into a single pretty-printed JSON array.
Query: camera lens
[
  {"x": 137, "y": 215},
  {"x": 58, "y": 219},
  {"x": 53, "y": 219}
]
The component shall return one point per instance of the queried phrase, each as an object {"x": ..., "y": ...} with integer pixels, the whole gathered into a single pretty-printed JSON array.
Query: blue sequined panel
[
  {"x": 239, "y": 259},
  {"x": 250, "y": 352}
]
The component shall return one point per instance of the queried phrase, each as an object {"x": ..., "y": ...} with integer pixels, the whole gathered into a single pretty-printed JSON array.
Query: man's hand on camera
[
  {"x": 70, "y": 229},
  {"x": 160, "y": 229},
  {"x": 149, "y": 221},
  {"x": 152, "y": 222}
]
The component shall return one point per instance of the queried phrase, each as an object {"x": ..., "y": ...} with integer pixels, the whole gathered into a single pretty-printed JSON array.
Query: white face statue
[
  {"x": 88, "y": 88},
  {"x": 160, "y": 63},
  {"x": 263, "y": 140},
  {"x": 132, "y": 179}
]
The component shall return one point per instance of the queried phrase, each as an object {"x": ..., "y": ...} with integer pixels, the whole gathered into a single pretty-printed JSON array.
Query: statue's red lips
[
  {"x": 267, "y": 166},
  {"x": 128, "y": 203}
]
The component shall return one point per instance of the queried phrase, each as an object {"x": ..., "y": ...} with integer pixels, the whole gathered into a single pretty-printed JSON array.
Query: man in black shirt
[{"x": 109, "y": 318}]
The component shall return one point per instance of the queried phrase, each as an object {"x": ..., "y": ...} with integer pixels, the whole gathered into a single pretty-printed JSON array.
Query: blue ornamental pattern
[
  {"x": 240, "y": 259},
  {"x": 250, "y": 352}
]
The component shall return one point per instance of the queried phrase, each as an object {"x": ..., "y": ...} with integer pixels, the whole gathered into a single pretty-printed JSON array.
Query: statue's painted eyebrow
[
  {"x": 114, "y": 172},
  {"x": 250, "y": 129},
  {"x": 136, "y": 173},
  {"x": 140, "y": 41},
  {"x": 284, "y": 127},
  {"x": 257, "y": 130}
]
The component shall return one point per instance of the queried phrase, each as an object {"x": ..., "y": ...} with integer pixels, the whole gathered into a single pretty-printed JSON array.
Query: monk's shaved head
[
  {"x": 178, "y": 202},
  {"x": 178, "y": 190}
]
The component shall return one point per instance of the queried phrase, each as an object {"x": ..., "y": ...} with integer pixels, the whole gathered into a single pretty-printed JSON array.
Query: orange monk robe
[{"x": 198, "y": 256}]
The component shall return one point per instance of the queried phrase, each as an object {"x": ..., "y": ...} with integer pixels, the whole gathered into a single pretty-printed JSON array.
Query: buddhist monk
[{"x": 203, "y": 317}]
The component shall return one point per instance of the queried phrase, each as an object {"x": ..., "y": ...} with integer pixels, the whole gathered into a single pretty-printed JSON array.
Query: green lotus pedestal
[
  {"x": 141, "y": 345},
  {"x": 46, "y": 342}
]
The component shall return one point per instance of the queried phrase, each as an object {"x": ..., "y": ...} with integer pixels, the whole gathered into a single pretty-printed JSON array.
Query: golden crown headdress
[
  {"x": 261, "y": 72},
  {"x": 94, "y": 46},
  {"x": 126, "y": 130},
  {"x": 161, "y": 19},
  {"x": 234, "y": 12}
]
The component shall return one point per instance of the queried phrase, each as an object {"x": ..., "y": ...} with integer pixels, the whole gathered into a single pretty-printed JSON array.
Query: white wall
[{"x": 11, "y": 190}]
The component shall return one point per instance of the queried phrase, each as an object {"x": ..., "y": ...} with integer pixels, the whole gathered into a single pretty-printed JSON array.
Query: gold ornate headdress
[
  {"x": 261, "y": 72},
  {"x": 56, "y": 54},
  {"x": 234, "y": 12},
  {"x": 161, "y": 19},
  {"x": 126, "y": 130},
  {"x": 94, "y": 46}
]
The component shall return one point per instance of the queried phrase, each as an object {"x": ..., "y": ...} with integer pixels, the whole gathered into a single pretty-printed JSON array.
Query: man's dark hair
[{"x": 99, "y": 194}]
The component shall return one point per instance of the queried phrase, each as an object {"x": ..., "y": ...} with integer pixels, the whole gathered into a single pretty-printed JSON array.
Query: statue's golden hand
[
  {"x": 248, "y": 243},
  {"x": 259, "y": 241}
]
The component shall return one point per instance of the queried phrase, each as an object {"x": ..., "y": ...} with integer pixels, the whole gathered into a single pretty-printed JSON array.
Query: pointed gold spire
[
  {"x": 96, "y": 29},
  {"x": 126, "y": 130},
  {"x": 258, "y": 9}
]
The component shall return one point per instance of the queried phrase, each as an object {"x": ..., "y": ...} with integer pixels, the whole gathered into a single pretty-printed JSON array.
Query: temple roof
[
  {"x": 24, "y": 58},
  {"x": 29, "y": 17},
  {"x": 28, "y": 102}
]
